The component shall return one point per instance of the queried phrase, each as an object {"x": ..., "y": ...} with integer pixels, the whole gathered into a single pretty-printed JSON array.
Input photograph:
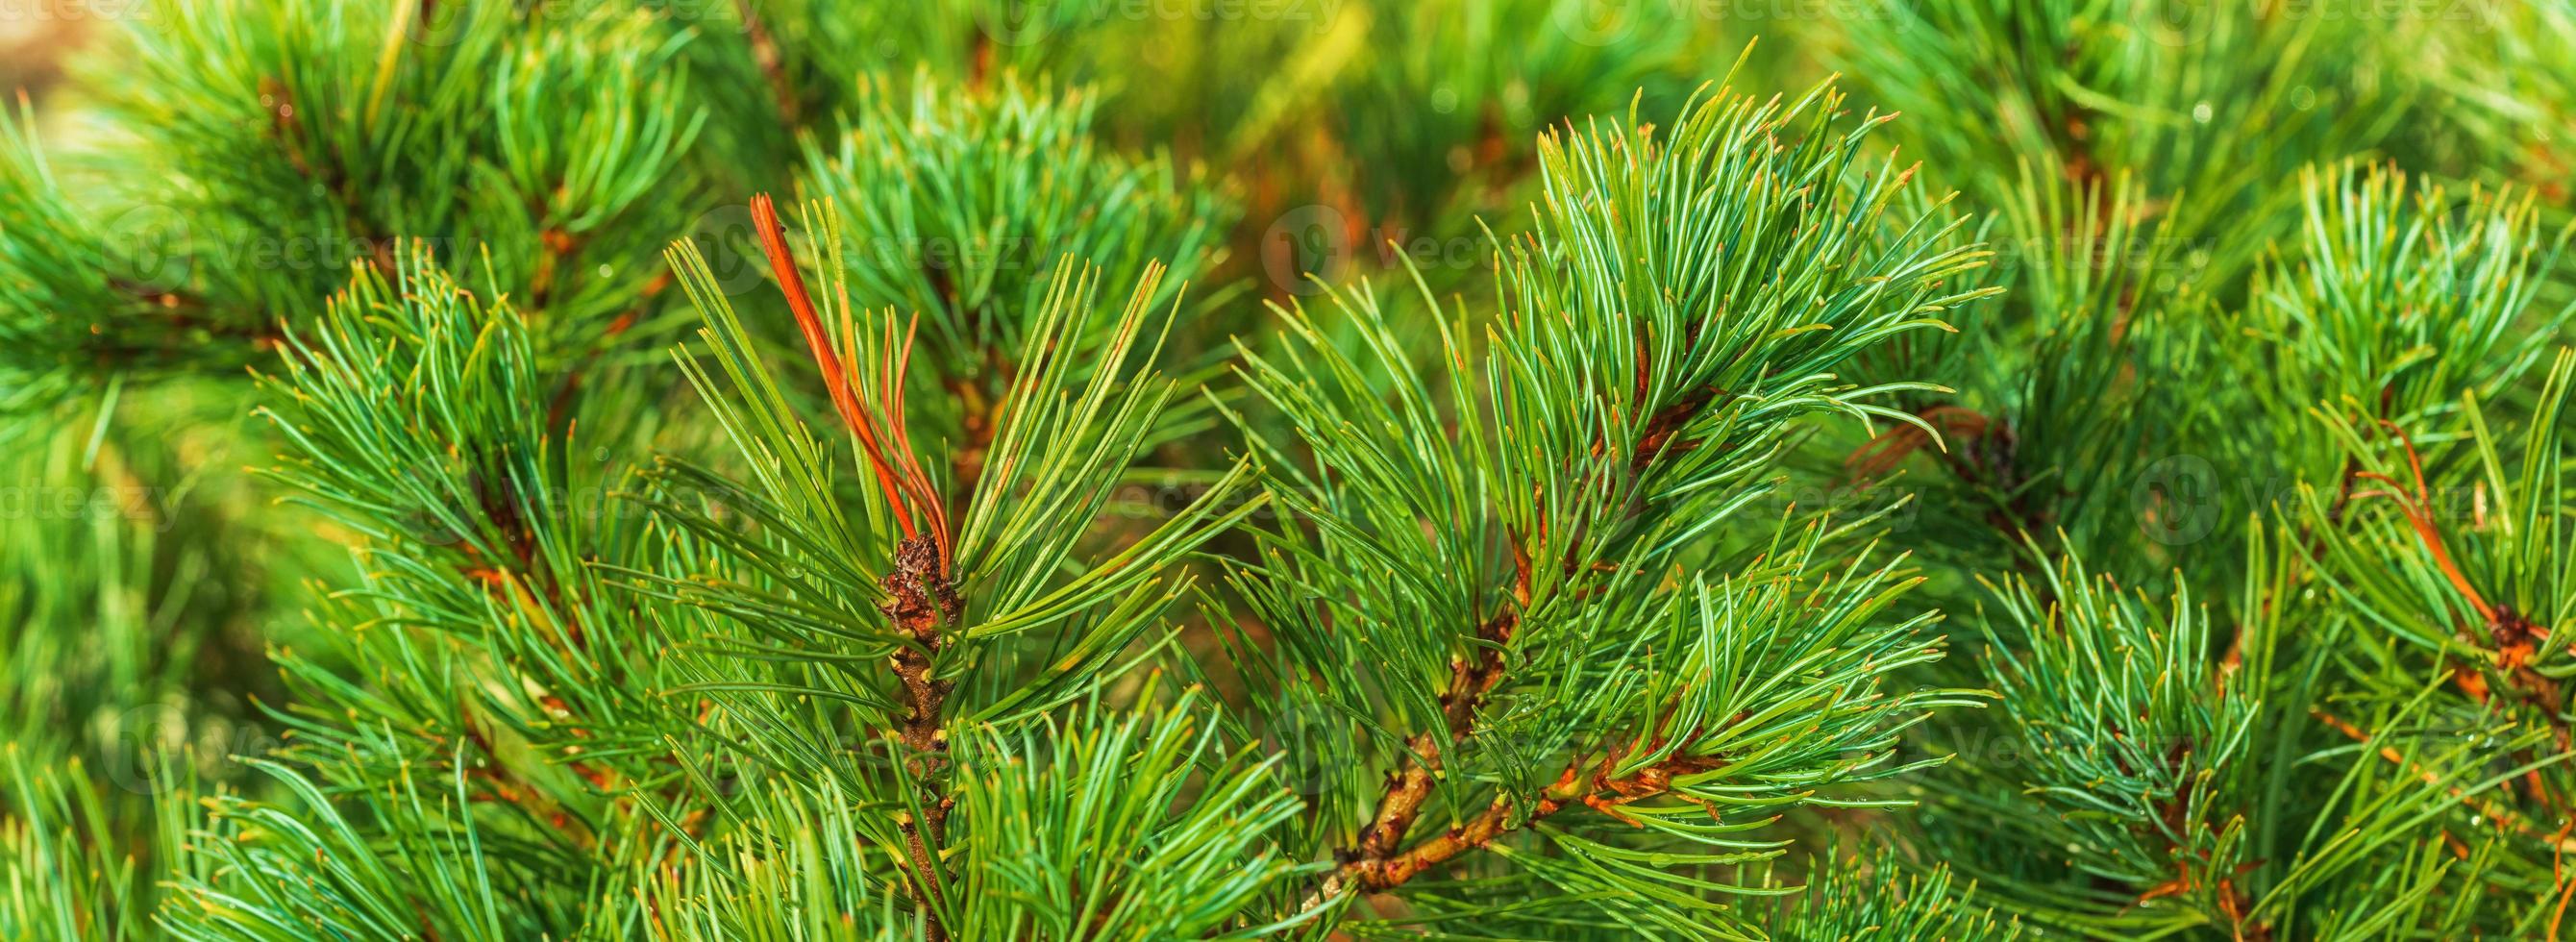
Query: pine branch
[
  {"x": 920, "y": 601},
  {"x": 949, "y": 599},
  {"x": 1637, "y": 394}
]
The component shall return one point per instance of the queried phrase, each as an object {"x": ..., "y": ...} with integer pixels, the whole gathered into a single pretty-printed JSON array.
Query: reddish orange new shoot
[
  {"x": 2419, "y": 515},
  {"x": 880, "y": 431}
]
